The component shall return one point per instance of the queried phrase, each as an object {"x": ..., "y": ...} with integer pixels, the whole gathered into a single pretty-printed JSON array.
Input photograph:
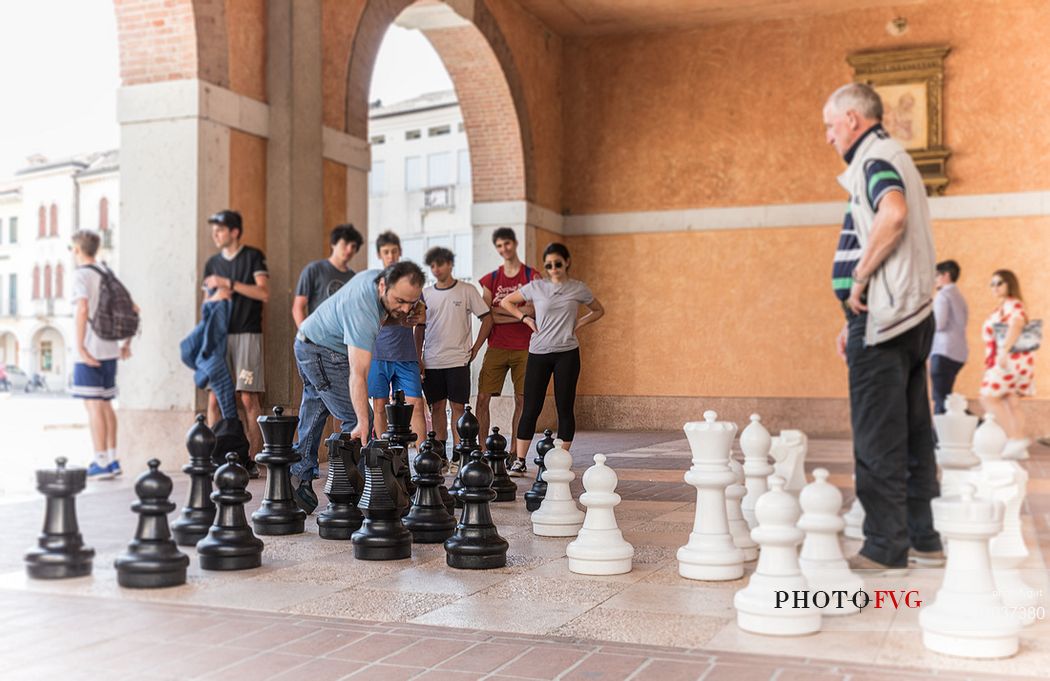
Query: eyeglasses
[
  {"x": 556, "y": 265},
  {"x": 996, "y": 283}
]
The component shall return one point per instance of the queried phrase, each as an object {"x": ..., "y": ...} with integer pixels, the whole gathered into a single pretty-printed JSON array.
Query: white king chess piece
[
  {"x": 755, "y": 443},
  {"x": 599, "y": 548},
  {"x": 710, "y": 554},
  {"x": 821, "y": 559},
  {"x": 955, "y": 431},
  {"x": 789, "y": 454},
  {"x": 558, "y": 515},
  {"x": 738, "y": 527},
  {"x": 968, "y": 619},
  {"x": 766, "y": 605},
  {"x": 1006, "y": 481}
]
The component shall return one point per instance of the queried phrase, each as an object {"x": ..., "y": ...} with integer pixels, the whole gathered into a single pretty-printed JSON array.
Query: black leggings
[{"x": 566, "y": 369}]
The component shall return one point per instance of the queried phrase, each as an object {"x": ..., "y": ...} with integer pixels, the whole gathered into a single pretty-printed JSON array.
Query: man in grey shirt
[
  {"x": 322, "y": 278},
  {"x": 949, "y": 351}
]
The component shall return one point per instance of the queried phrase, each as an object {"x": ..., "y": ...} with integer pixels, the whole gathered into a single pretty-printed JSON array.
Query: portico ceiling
[{"x": 599, "y": 17}]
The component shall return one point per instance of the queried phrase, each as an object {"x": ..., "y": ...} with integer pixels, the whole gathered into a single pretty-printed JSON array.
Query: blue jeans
[{"x": 326, "y": 390}]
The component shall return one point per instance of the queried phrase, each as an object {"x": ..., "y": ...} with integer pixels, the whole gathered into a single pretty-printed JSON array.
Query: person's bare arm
[
  {"x": 300, "y": 310},
  {"x": 483, "y": 334},
  {"x": 596, "y": 313},
  {"x": 510, "y": 305},
  {"x": 260, "y": 290},
  {"x": 360, "y": 361},
  {"x": 81, "y": 327},
  {"x": 886, "y": 234},
  {"x": 420, "y": 335}
]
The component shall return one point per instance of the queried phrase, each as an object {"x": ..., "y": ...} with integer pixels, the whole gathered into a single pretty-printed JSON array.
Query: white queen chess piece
[
  {"x": 755, "y": 442},
  {"x": 777, "y": 571},
  {"x": 821, "y": 559},
  {"x": 967, "y": 618},
  {"x": 558, "y": 515},
  {"x": 789, "y": 456},
  {"x": 710, "y": 554},
  {"x": 738, "y": 527},
  {"x": 599, "y": 548},
  {"x": 955, "y": 431}
]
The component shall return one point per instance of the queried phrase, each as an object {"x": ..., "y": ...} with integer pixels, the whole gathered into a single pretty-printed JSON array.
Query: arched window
[
  {"x": 47, "y": 282},
  {"x": 36, "y": 280},
  {"x": 59, "y": 277},
  {"x": 103, "y": 214},
  {"x": 54, "y": 220},
  {"x": 42, "y": 224}
]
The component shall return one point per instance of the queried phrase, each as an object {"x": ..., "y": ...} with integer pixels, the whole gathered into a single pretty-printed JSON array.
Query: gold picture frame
[{"x": 911, "y": 83}]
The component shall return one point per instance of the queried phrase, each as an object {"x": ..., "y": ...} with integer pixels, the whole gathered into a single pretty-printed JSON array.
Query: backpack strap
[{"x": 102, "y": 272}]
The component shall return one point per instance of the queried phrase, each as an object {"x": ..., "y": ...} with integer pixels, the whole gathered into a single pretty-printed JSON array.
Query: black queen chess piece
[
  {"x": 343, "y": 486},
  {"x": 429, "y": 520},
  {"x": 152, "y": 560},
  {"x": 192, "y": 524},
  {"x": 476, "y": 544},
  {"x": 534, "y": 497},
  {"x": 61, "y": 553},
  {"x": 468, "y": 428},
  {"x": 496, "y": 457},
  {"x": 278, "y": 514},
  {"x": 399, "y": 432},
  {"x": 230, "y": 544},
  {"x": 382, "y": 535}
]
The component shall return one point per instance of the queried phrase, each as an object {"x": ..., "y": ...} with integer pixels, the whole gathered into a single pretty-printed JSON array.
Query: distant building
[{"x": 40, "y": 208}]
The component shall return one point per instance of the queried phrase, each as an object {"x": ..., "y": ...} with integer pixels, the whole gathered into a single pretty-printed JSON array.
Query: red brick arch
[{"x": 164, "y": 40}]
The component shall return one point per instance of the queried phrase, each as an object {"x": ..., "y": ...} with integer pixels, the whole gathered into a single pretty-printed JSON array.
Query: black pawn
[
  {"x": 61, "y": 553},
  {"x": 476, "y": 545},
  {"x": 534, "y": 497},
  {"x": 192, "y": 525},
  {"x": 496, "y": 457},
  {"x": 341, "y": 518},
  {"x": 152, "y": 559},
  {"x": 438, "y": 447},
  {"x": 382, "y": 535},
  {"x": 230, "y": 544},
  {"x": 429, "y": 521},
  {"x": 468, "y": 428},
  {"x": 278, "y": 513},
  {"x": 399, "y": 432}
]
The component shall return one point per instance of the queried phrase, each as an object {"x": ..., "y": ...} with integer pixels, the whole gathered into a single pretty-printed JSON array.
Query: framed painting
[{"x": 911, "y": 84}]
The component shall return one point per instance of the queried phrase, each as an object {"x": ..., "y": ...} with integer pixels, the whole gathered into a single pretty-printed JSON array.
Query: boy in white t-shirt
[
  {"x": 447, "y": 349},
  {"x": 95, "y": 372}
]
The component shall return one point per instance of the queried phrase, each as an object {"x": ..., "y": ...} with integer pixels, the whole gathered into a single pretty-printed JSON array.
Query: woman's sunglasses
[
  {"x": 556, "y": 265},
  {"x": 996, "y": 283}
]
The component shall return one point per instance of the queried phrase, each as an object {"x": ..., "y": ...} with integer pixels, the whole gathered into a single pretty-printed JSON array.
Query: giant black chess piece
[
  {"x": 152, "y": 559},
  {"x": 468, "y": 427},
  {"x": 534, "y": 497},
  {"x": 61, "y": 552},
  {"x": 476, "y": 545},
  {"x": 399, "y": 432},
  {"x": 382, "y": 535},
  {"x": 429, "y": 521},
  {"x": 496, "y": 457},
  {"x": 192, "y": 525},
  {"x": 278, "y": 513},
  {"x": 341, "y": 518},
  {"x": 438, "y": 448},
  {"x": 230, "y": 544}
]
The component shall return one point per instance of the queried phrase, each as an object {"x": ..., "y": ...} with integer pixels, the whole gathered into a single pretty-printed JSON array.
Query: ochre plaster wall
[
  {"x": 731, "y": 114},
  {"x": 248, "y": 185},
  {"x": 334, "y": 208},
  {"x": 246, "y": 29}
]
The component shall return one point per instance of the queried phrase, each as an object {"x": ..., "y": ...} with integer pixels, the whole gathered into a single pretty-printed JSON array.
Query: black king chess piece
[
  {"x": 496, "y": 457},
  {"x": 61, "y": 552},
  {"x": 399, "y": 432},
  {"x": 476, "y": 545},
  {"x": 192, "y": 525},
  {"x": 382, "y": 535},
  {"x": 278, "y": 513},
  {"x": 428, "y": 520},
  {"x": 468, "y": 428},
  {"x": 534, "y": 497},
  {"x": 341, "y": 518},
  {"x": 152, "y": 560},
  {"x": 230, "y": 544}
]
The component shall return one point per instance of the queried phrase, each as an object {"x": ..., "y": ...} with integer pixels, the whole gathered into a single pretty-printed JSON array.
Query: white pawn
[
  {"x": 710, "y": 554},
  {"x": 755, "y": 443},
  {"x": 599, "y": 549},
  {"x": 955, "y": 432},
  {"x": 737, "y": 525},
  {"x": 967, "y": 618},
  {"x": 558, "y": 515},
  {"x": 777, "y": 571},
  {"x": 789, "y": 456},
  {"x": 821, "y": 559},
  {"x": 854, "y": 517}
]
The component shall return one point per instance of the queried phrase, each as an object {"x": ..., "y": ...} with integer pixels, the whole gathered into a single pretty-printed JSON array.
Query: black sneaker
[
  {"x": 305, "y": 498},
  {"x": 518, "y": 469},
  {"x": 253, "y": 470}
]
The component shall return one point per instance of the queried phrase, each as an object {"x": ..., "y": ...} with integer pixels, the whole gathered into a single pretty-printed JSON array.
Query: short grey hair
[{"x": 859, "y": 97}]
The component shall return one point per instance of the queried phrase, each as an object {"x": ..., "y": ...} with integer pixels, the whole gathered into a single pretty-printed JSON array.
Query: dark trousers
[
  {"x": 893, "y": 441},
  {"x": 565, "y": 367},
  {"x": 942, "y": 379}
]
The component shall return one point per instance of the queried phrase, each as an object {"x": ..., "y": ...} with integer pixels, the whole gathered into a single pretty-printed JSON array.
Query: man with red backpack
[{"x": 105, "y": 321}]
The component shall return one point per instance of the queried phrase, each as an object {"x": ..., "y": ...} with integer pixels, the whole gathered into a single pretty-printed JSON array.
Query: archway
[
  {"x": 8, "y": 349},
  {"x": 49, "y": 357}
]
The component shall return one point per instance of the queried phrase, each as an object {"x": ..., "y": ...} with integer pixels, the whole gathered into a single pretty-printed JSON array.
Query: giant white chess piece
[
  {"x": 760, "y": 606},
  {"x": 955, "y": 431},
  {"x": 599, "y": 548},
  {"x": 854, "y": 517},
  {"x": 968, "y": 619},
  {"x": 737, "y": 525},
  {"x": 558, "y": 515},
  {"x": 710, "y": 554},
  {"x": 789, "y": 454},
  {"x": 821, "y": 559},
  {"x": 755, "y": 443}
]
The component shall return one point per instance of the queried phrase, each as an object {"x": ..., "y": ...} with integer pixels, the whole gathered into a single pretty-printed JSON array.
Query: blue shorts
[
  {"x": 384, "y": 377},
  {"x": 95, "y": 383}
]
